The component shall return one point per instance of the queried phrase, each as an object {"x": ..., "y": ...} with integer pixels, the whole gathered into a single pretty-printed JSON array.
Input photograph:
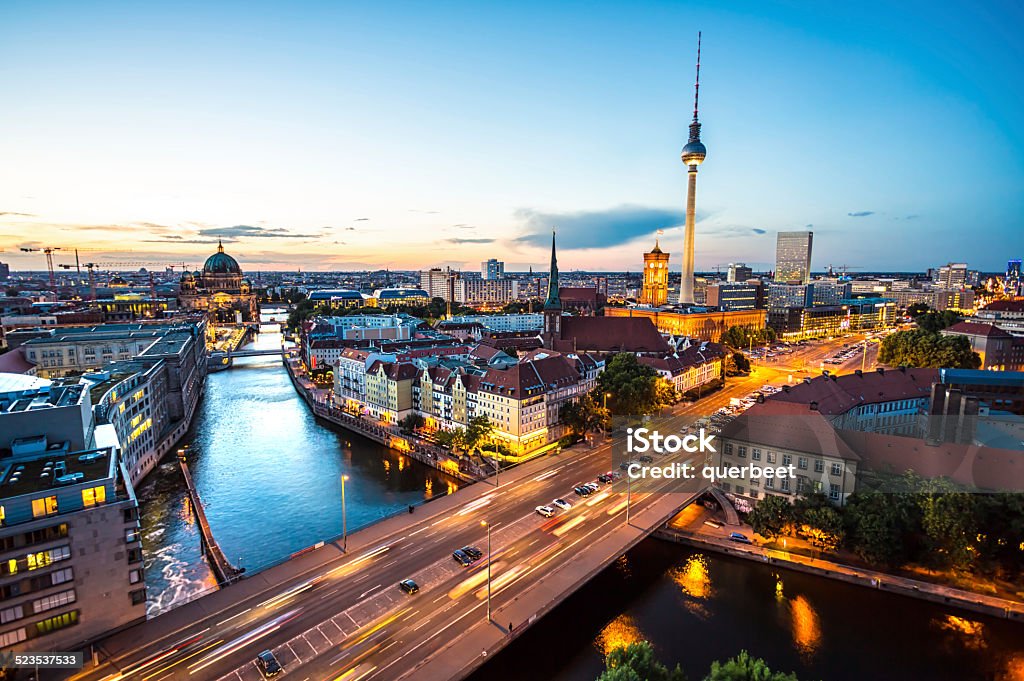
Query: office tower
[
  {"x": 793, "y": 257},
  {"x": 1012, "y": 283},
  {"x": 693, "y": 155},
  {"x": 492, "y": 269},
  {"x": 655, "y": 286},
  {"x": 738, "y": 272},
  {"x": 952, "y": 275},
  {"x": 439, "y": 283}
]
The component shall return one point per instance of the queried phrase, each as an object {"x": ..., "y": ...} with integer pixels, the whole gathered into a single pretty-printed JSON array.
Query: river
[
  {"x": 268, "y": 473},
  {"x": 269, "y": 476}
]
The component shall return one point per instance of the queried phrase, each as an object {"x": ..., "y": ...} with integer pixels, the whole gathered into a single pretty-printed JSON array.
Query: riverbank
[
  {"x": 411, "y": 446},
  {"x": 689, "y": 529}
]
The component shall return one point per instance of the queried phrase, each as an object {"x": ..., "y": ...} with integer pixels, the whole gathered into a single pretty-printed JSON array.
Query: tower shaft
[{"x": 686, "y": 283}]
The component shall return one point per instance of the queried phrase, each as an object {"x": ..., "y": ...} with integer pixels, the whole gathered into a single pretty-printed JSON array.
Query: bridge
[
  {"x": 334, "y": 613},
  {"x": 222, "y": 568},
  {"x": 253, "y": 353}
]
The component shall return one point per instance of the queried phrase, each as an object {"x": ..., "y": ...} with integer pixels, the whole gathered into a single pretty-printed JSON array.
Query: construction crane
[
  {"x": 48, "y": 250},
  {"x": 843, "y": 269},
  {"x": 91, "y": 267}
]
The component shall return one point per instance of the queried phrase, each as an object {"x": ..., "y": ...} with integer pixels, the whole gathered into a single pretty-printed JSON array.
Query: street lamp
[
  {"x": 629, "y": 481},
  {"x": 488, "y": 526},
  {"x": 344, "y": 516},
  {"x": 605, "y": 413}
]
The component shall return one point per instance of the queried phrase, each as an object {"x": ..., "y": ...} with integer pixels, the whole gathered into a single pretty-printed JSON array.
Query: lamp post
[
  {"x": 488, "y": 526},
  {"x": 629, "y": 481},
  {"x": 344, "y": 516},
  {"x": 605, "y": 413}
]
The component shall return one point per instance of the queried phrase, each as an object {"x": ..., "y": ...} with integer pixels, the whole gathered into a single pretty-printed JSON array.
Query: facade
[
  {"x": 220, "y": 291},
  {"x": 728, "y": 296},
  {"x": 998, "y": 349},
  {"x": 952, "y": 276},
  {"x": 798, "y": 323},
  {"x": 492, "y": 269},
  {"x": 655, "y": 287},
  {"x": 71, "y": 567},
  {"x": 781, "y": 296},
  {"x": 705, "y": 326},
  {"x": 958, "y": 300},
  {"x": 439, "y": 283},
  {"x": 793, "y": 257},
  {"x": 487, "y": 292},
  {"x": 870, "y": 314},
  {"x": 532, "y": 321},
  {"x": 830, "y": 292},
  {"x": 338, "y": 297},
  {"x": 692, "y": 367},
  {"x": 738, "y": 272},
  {"x": 395, "y": 297}
]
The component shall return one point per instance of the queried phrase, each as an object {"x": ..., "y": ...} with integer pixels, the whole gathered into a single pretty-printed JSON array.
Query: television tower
[{"x": 693, "y": 155}]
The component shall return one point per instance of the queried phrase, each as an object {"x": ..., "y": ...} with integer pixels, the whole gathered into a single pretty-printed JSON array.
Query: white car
[
  {"x": 545, "y": 511},
  {"x": 562, "y": 504}
]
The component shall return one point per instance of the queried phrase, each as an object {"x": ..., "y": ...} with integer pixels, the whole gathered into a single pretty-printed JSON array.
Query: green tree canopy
[
  {"x": 633, "y": 386},
  {"x": 585, "y": 414},
  {"x": 636, "y": 662},
  {"x": 770, "y": 516},
  {"x": 745, "y": 336},
  {"x": 926, "y": 349},
  {"x": 936, "y": 321},
  {"x": 743, "y": 667}
]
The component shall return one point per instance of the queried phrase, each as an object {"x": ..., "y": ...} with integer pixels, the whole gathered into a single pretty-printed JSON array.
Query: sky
[{"x": 346, "y": 136}]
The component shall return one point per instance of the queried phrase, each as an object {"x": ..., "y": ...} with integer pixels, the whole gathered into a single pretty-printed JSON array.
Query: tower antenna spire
[{"x": 696, "y": 85}]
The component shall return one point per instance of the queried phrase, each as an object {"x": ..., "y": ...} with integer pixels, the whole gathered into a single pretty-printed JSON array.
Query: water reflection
[
  {"x": 806, "y": 628},
  {"x": 620, "y": 632},
  {"x": 966, "y": 632}
]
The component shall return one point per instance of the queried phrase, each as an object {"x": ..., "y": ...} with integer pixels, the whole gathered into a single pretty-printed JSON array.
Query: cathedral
[{"x": 220, "y": 291}]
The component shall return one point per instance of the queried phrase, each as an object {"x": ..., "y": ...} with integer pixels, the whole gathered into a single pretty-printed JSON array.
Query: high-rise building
[
  {"x": 492, "y": 269},
  {"x": 830, "y": 292},
  {"x": 5, "y": 270},
  {"x": 494, "y": 292},
  {"x": 738, "y": 272},
  {"x": 439, "y": 283},
  {"x": 1012, "y": 284},
  {"x": 952, "y": 275},
  {"x": 655, "y": 286},
  {"x": 737, "y": 295},
  {"x": 692, "y": 156},
  {"x": 781, "y": 296},
  {"x": 793, "y": 257}
]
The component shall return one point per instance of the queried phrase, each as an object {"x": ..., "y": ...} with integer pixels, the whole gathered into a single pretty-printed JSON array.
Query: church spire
[
  {"x": 553, "y": 302},
  {"x": 220, "y": 246}
]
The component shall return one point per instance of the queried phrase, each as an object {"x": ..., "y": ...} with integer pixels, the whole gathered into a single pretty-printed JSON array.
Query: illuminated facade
[
  {"x": 220, "y": 291},
  {"x": 707, "y": 326},
  {"x": 655, "y": 287},
  {"x": 793, "y": 257}
]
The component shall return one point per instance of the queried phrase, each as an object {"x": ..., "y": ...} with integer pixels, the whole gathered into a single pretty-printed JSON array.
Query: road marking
[
  {"x": 223, "y": 622},
  {"x": 349, "y": 615},
  {"x": 368, "y": 591},
  {"x": 288, "y": 645},
  {"x": 422, "y": 529},
  {"x": 337, "y": 627},
  {"x": 312, "y": 647}
]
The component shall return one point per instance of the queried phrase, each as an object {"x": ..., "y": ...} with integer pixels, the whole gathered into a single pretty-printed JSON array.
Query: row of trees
[
  {"x": 908, "y": 519},
  {"x": 744, "y": 336},
  {"x": 927, "y": 349},
  {"x": 637, "y": 662}
]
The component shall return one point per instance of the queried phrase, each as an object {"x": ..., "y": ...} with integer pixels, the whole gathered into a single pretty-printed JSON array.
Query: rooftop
[
  {"x": 838, "y": 394},
  {"x": 53, "y": 468},
  {"x": 53, "y": 394}
]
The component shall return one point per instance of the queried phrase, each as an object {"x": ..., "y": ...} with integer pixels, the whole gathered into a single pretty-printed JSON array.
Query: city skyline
[{"x": 322, "y": 138}]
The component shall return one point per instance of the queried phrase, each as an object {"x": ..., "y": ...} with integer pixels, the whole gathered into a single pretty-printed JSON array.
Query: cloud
[
  {"x": 19, "y": 215},
  {"x": 471, "y": 241},
  {"x": 808, "y": 225},
  {"x": 361, "y": 219},
  {"x": 463, "y": 225},
  {"x": 596, "y": 229},
  {"x": 861, "y": 213},
  {"x": 426, "y": 212},
  {"x": 251, "y": 231}
]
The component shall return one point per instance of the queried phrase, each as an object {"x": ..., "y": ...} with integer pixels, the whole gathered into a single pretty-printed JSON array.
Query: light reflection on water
[{"x": 269, "y": 476}]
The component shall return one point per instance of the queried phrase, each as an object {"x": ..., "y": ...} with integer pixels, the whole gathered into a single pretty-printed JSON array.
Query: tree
[
  {"x": 926, "y": 349},
  {"x": 743, "y": 667},
  {"x": 633, "y": 386},
  {"x": 477, "y": 430},
  {"x": 770, "y": 516},
  {"x": 636, "y": 662},
  {"x": 736, "y": 363},
  {"x": 412, "y": 422},
  {"x": 823, "y": 527},
  {"x": 584, "y": 415},
  {"x": 877, "y": 524},
  {"x": 936, "y": 321},
  {"x": 454, "y": 439},
  {"x": 917, "y": 309},
  {"x": 949, "y": 522},
  {"x": 744, "y": 336}
]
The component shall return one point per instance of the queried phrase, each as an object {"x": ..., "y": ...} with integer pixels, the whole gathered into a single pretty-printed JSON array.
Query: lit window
[
  {"x": 44, "y": 506},
  {"x": 94, "y": 496}
]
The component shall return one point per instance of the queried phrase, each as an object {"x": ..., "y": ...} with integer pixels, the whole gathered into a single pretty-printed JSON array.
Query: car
[
  {"x": 738, "y": 537},
  {"x": 624, "y": 465},
  {"x": 613, "y": 476},
  {"x": 545, "y": 511},
  {"x": 606, "y": 478},
  {"x": 583, "y": 491},
  {"x": 646, "y": 458},
  {"x": 593, "y": 486},
  {"x": 408, "y": 586},
  {"x": 268, "y": 665},
  {"x": 473, "y": 552},
  {"x": 562, "y": 504},
  {"x": 462, "y": 557}
]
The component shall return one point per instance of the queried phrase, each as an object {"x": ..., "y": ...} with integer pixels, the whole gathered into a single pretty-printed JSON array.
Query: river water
[{"x": 268, "y": 474}]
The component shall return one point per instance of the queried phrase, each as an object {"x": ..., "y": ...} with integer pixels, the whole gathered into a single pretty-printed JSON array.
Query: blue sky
[{"x": 344, "y": 135}]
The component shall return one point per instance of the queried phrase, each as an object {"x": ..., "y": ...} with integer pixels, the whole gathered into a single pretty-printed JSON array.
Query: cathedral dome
[{"x": 221, "y": 263}]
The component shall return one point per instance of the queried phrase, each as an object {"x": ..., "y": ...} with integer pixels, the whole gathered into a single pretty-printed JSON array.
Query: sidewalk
[{"x": 693, "y": 532}]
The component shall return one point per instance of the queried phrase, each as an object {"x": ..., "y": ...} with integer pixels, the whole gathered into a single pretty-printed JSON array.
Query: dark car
[
  {"x": 624, "y": 465},
  {"x": 408, "y": 586},
  {"x": 462, "y": 557},
  {"x": 473, "y": 552},
  {"x": 268, "y": 665},
  {"x": 647, "y": 458},
  {"x": 741, "y": 538},
  {"x": 605, "y": 478},
  {"x": 583, "y": 491}
]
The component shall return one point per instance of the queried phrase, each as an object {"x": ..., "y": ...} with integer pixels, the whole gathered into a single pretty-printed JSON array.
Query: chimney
[{"x": 814, "y": 406}]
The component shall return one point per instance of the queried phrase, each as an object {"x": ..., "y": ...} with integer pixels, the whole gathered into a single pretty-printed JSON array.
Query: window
[
  {"x": 801, "y": 484},
  {"x": 739, "y": 489},
  {"x": 801, "y": 463},
  {"x": 728, "y": 448},
  {"x": 755, "y": 454},
  {"x": 44, "y": 506},
  {"x": 754, "y": 482},
  {"x": 833, "y": 492},
  {"x": 135, "y": 576},
  {"x": 135, "y": 555},
  {"x": 94, "y": 496},
  {"x": 769, "y": 483},
  {"x": 11, "y": 614},
  {"x": 42, "y": 559},
  {"x": 3, "y": 514},
  {"x": 57, "y": 622},
  {"x": 138, "y": 596},
  {"x": 53, "y": 601},
  {"x": 787, "y": 459},
  {"x": 742, "y": 451},
  {"x": 819, "y": 466},
  {"x": 9, "y": 638},
  {"x": 131, "y": 535},
  {"x": 62, "y": 576},
  {"x": 771, "y": 457},
  {"x": 837, "y": 469},
  {"x": 784, "y": 484}
]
